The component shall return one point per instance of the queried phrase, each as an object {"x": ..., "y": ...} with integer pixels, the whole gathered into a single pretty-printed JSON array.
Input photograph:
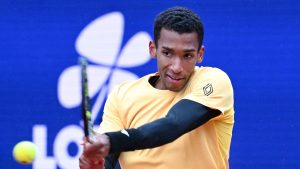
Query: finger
[
  {"x": 92, "y": 155},
  {"x": 101, "y": 161},
  {"x": 96, "y": 165},
  {"x": 85, "y": 162},
  {"x": 94, "y": 148},
  {"x": 84, "y": 140}
]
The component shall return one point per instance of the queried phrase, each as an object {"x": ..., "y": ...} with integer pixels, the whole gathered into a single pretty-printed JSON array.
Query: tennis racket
[{"x": 85, "y": 103}]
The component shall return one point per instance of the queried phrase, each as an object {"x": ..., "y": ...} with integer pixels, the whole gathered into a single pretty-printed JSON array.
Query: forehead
[{"x": 173, "y": 40}]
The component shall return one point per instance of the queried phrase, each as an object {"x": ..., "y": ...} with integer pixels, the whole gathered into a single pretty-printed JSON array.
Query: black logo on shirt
[{"x": 208, "y": 89}]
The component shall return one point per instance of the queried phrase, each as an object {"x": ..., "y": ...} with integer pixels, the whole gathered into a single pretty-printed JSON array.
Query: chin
[{"x": 175, "y": 89}]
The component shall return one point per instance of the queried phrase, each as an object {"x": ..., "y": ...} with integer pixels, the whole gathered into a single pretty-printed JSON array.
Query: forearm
[{"x": 183, "y": 117}]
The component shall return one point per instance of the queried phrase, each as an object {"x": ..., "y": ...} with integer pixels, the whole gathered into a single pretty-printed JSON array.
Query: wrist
[{"x": 103, "y": 143}]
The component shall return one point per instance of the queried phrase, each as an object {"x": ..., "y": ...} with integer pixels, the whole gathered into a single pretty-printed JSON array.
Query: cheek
[
  {"x": 162, "y": 63},
  {"x": 160, "y": 66},
  {"x": 189, "y": 67}
]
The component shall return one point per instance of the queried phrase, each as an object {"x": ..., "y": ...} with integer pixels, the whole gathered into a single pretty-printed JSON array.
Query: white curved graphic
[
  {"x": 100, "y": 43},
  {"x": 100, "y": 40},
  {"x": 135, "y": 51}
]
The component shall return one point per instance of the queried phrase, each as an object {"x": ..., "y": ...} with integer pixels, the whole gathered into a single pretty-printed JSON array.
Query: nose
[{"x": 176, "y": 66}]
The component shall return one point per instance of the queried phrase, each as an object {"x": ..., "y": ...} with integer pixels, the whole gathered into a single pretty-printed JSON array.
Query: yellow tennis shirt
[{"x": 135, "y": 103}]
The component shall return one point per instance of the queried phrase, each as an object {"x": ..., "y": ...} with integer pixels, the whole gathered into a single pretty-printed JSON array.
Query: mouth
[{"x": 174, "y": 78}]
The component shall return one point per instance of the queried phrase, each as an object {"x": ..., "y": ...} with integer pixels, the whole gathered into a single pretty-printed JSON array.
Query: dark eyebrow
[
  {"x": 167, "y": 48},
  {"x": 185, "y": 51},
  {"x": 189, "y": 50}
]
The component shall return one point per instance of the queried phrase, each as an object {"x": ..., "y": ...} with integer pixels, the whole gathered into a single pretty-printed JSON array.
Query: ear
[
  {"x": 152, "y": 49},
  {"x": 200, "y": 54}
]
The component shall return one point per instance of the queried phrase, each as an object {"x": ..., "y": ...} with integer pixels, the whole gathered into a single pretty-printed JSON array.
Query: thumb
[{"x": 84, "y": 140}]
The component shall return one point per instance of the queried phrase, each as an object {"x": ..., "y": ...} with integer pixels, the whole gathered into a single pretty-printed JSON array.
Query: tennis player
[{"x": 180, "y": 117}]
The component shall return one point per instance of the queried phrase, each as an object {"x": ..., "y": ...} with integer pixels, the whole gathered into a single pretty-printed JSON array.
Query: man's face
[{"x": 177, "y": 55}]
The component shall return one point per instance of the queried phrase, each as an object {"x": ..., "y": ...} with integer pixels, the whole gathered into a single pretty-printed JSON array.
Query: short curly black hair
[{"x": 181, "y": 20}]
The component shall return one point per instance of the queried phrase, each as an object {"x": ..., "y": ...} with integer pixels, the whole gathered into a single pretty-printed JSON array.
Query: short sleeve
[
  {"x": 111, "y": 120},
  {"x": 212, "y": 88}
]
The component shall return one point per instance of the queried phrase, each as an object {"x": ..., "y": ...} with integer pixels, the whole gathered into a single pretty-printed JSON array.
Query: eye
[
  {"x": 188, "y": 56},
  {"x": 166, "y": 53}
]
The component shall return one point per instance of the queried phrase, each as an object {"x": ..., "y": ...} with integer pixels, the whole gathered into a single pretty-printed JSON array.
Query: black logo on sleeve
[{"x": 208, "y": 89}]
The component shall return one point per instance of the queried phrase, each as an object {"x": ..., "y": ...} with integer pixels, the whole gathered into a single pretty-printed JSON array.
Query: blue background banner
[{"x": 255, "y": 41}]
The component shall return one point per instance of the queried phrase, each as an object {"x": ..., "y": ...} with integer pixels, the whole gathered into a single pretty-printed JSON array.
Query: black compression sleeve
[
  {"x": 183, "y": 117},
  {"x": 111, "y": 161}
]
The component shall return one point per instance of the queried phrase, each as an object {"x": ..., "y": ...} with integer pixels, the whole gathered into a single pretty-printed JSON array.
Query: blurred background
[{"x": 255, "y": 41}]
